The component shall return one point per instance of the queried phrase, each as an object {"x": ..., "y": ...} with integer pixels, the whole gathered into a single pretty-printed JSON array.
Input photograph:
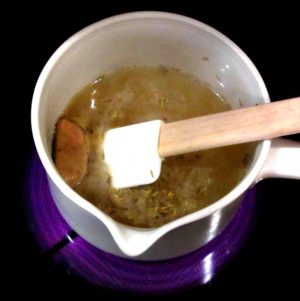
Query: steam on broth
[{"x": 131, "y": 95}]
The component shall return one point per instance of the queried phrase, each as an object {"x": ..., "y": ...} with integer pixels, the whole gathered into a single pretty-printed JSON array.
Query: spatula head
[{"x": 131, "y": 153}]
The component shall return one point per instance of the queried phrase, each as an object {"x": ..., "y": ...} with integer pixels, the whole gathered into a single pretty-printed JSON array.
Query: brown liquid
[{"x": 188, "y": 182}]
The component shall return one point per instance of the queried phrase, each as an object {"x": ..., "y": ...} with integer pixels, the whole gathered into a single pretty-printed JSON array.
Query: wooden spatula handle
[{"x": 232, "y": 127}]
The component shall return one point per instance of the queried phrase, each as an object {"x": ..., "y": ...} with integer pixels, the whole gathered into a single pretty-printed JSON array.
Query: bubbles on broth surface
[{"x": 187, "y": 182}]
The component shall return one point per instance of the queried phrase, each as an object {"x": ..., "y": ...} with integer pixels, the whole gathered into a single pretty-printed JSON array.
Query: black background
[{"x": 269, "y": 262}]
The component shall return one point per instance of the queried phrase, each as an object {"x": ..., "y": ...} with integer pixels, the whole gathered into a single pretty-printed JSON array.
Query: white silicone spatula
[{"x": 134, "y": 153}]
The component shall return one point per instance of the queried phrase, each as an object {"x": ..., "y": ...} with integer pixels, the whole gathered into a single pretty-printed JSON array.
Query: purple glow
[{"x": 103, "y": 269}]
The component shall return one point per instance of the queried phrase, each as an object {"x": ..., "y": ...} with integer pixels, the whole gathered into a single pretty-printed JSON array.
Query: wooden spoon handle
[{"x": 232, "y": 127}]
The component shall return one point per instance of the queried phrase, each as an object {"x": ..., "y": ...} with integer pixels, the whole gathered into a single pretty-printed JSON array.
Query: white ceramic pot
[{"x": 152, "y": 38}]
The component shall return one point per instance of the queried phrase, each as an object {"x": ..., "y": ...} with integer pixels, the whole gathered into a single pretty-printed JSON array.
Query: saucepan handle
[{"x": 283, "y": 160}]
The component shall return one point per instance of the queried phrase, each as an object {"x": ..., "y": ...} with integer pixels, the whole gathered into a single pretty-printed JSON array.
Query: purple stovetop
[{"x": 56, "y": 237}]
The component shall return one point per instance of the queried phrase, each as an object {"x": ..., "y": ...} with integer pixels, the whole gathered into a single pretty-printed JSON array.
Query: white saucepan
[{"x": 153, "y": 38}]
